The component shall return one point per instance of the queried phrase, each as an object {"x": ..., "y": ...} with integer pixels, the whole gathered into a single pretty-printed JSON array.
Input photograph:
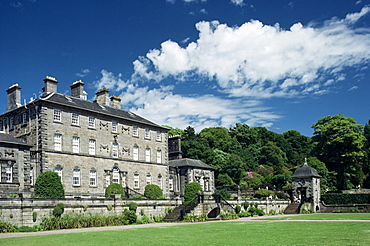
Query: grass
[
  {"x": 220, "y": 233},
  {"x": 326, "y": 216}
]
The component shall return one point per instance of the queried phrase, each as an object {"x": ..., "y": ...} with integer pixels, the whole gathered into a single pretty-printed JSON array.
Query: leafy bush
[
  {"x": 263, "y": 193},
  {"x": 7, "y": 227},
  {"x": 340, "y": 198},
  {"x": 130, "y": 216},
  {"x": 48, "y": 185},
  {"x": 245, "y": 205},
  {"x": 153, "y": 191},
  {"x": 26, "y": 229},
  {"x": 113, "y": 189},
  {"x": 256, "y": 211},
  {"x": 12, "y": 196},
  {"x": 195, "y": 218},
  {"x": 229, "y": 216},
  {"x": 137, "y": 197},
  {"x": 191, "y": 191},
  {"x": 237, "y": 209},
  {"x": 244, "y": 214},
  {"x": 58, "y": 210},
  {"x": 132, "y": 206},
  {"x": 79, "y": 220},
  {"x": 223, "y": 193}
]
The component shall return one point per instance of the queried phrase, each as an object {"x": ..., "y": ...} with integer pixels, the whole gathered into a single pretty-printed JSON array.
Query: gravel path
[{"x": 115, "y": 228}]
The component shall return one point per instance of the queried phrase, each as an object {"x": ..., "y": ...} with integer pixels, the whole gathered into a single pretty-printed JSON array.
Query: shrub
[
  {"x": 245, "y": 205},
  {"x": 237, "y": 209},
  {"x": 223, "y": 193},
  {"x": 244, "y": 214},
  {"x": 58, "y": 210},
  {"x": 7, "y": 227},
  {"x": 34, "y": 216},
  {"x": 340, "y": 198},
  {"x": 196, "y": 218},
  {"x": 191, "y": 191},
  {"x": 263, "y": 193},
  {"x": 132, "y": 206},
  {"x": 113, "y": 189},
  {"x": 12, "y": 196},
  {"x": 130, "y": 216},
  {"x": 256, "y": 211},
  {"x": 48, "y": 185},
  {"x": 153, "y": 191},
  {"x": 109, "y": 207},
  {"x": 26, "y": 229},
  {"x": 229, "y": 216}
]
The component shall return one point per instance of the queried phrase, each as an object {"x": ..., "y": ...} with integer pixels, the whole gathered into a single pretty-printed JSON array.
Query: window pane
[
  {"x": 76, "y": 177},
  {"x": 136, "y": 153},
  {"x": 91, "y": 122},
  {"x": 75, "y": 144},
  {"x": 92, "y": 178},
  {"x": 75, "y": 119},
  {"x": 91, "y": 146},
  {"x": 114, "y": 126},
  {"x": 57, "y": 115},
  {"x": 147, "y": 155},
  {"x": 114, "y": 150},
  {"x": 58, "y": 142}
]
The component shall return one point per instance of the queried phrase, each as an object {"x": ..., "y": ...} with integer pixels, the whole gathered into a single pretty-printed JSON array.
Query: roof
[
  {"x": 187, "y": 162},
  {"x": 305, "y": 171},
  {"x": 82, "y": 104},
  {"x": 9, "y": 139}
]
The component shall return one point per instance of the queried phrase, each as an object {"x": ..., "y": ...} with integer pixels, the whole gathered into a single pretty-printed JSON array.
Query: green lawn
[
  {"x": 218, "y": 233},
  {"x": 328, "y": 216}
]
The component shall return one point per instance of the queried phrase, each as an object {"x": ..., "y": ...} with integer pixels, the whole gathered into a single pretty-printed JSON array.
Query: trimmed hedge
[
  {"x": 113, "y": 189},
  {"x": 153, "y": 191},
  {"x": 342, "y": 199},
  {"x": 48, "y": 185},
  {"x": 191, "y": 191}
]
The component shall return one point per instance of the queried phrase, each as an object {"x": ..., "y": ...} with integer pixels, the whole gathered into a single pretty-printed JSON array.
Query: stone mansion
[{"x": 90, "y": 144}]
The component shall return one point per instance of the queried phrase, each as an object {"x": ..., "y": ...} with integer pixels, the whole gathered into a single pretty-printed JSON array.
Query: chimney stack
[
  {"x": 115, "y": 101},
  {"x": 50, "y": 84},
  {"x": 77, "y": 89},
  {"x": 14, "y": 97},
  {"x": 102, "y": 96}
]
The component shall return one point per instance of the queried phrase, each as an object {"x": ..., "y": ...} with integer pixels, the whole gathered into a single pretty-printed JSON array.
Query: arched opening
[{"x": 214, "y": 213}]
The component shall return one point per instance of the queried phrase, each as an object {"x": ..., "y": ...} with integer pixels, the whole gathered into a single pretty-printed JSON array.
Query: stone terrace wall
[{"x": 20, "y": 210}]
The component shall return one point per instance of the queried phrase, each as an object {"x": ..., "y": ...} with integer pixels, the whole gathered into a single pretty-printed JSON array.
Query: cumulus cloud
[
  {"x": 238, "y": 2},
  {"x": 260, "y": 60},
  {"x": 240, "y": 66},
  {"x": 164, "y": 107}
]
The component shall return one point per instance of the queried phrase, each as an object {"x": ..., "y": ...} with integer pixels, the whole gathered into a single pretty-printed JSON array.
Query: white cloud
[
  {"x": 83, "y": 72},
  {"x": 238, "y": 2},
  {"x": 164, "y": 107},
  {"x": 261, "y": 60}
]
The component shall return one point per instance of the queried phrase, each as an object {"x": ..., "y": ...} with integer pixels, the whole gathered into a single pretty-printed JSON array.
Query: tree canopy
[{"x": 255, "y": 156}]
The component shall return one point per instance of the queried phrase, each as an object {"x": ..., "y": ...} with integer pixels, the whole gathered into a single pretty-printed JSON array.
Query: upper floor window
[
  {"x": 9, "y": 174},
  {"x": 159, "y": 136},
  {"x": 114, "y": 150},
  {"x": 92, "y": 178},
  {"x": 75, "y": 119},
  {"x": 91, "y": 122},
  {"x": 57, "y": 115},
  {"x": 147, "y": 155},
  {"x": 92, "y": 146},
  {"x": 58, "y": 142},
  {"x": 159, "y": 156},
  {"x": 114, "y": 126},
  {"x": 76, "y": 177},
  {"x": 11, "y": 123},
  {"x": 170, "y": 184},
  {"x": 75, "y": 144},
  {"x": 1, "y": 126},
  {"x": 147, "y": 133},
  {"x": 135, "y": 131},
  {"x": 135, "y": 153},
  {"x": 24, "y": 118}
]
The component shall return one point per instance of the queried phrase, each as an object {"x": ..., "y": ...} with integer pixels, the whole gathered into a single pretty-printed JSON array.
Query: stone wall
[{"x": 20, "y": 210}]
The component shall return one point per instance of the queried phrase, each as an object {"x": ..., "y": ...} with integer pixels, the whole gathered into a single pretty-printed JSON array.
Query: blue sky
[{"x": 277, "y": 64}]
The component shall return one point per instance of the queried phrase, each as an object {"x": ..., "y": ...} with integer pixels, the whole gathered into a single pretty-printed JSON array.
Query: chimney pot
[
  {"x": 77, "y": 89},
  {"x": 50, "y": 84},
  {"x": 14, "y": 97},
  {"x": 102, "y": 96},
  {"x": 115, "y": 101}
]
